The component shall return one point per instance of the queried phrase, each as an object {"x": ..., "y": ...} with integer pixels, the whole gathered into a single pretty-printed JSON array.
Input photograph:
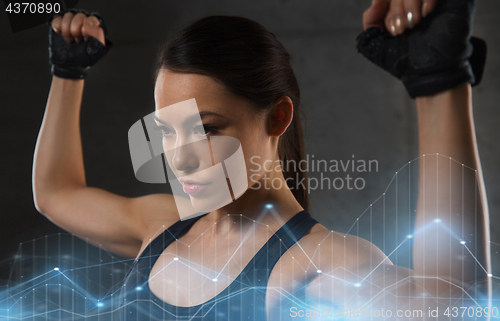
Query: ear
[{"x": 280, "y": 116}]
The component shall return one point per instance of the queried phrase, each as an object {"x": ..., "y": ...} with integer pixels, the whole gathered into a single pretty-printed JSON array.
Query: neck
[{"x": 269, "y": 206}]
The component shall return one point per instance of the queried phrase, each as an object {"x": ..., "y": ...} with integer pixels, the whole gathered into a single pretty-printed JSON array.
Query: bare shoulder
[
  {"x": 328, "y": 250},
  {"x": 346, "y": 259},
  {"x": 320, "y": 253},
  {"x": 335, "y": 267}
]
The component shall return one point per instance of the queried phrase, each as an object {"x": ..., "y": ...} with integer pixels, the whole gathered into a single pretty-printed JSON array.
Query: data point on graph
[
  {"x": 56, "y": 269},
  {"x": 269, "y": 205},
  {"x": 214, "y": 280},
  {"x": 139, "y": 288},
  {"x": 318, "y": 271},
  {"x": 409, "y": 236},
  {"x": 437, "y": 220},
  {"x": 490, "y": 275},
  {"x": 462, "y": 242},
  {"x": 176, "y": 258},
  {"x": 357, "y": 285}
]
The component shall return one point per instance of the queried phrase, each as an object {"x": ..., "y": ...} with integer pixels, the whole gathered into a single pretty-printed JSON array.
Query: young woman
[{"x": 242, "y": 261}]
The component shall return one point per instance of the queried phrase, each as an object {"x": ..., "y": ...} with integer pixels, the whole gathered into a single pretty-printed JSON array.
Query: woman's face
[{"x": 201, "y": 124}]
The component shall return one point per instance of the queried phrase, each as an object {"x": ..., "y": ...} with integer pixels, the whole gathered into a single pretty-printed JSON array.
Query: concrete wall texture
[{"x": 352, "y": 109}]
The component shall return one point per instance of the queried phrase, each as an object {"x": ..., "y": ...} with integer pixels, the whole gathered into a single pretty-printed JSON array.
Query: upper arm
[{"x": 118, "y": 224}]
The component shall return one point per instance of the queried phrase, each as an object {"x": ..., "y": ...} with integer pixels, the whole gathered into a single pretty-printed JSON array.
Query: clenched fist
[
  {"x": 436, "y": 54},
  {"x": 76, "y": 42}
]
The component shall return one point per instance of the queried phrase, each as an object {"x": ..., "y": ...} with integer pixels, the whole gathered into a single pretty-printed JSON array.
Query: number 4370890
[
  {"x": 471, "y": 312},
  {"x": 28, "y": 7}
]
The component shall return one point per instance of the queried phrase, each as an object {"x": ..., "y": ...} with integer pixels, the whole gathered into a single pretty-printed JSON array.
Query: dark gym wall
[{"x": 351, "y": 107}]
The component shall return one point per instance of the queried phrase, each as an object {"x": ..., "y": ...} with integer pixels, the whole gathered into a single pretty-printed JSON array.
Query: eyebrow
[{"x": 202, "y": 114}]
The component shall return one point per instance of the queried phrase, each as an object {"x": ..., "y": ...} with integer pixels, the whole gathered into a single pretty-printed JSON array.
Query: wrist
[
  {"x": 67, "y": 88},
  {"x": 456, "y": 100}
]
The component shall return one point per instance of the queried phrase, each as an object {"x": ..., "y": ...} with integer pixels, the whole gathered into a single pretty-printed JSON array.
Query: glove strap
[
  {"x": 425, "y": 85},
  {"x": 69, "y": 73}
]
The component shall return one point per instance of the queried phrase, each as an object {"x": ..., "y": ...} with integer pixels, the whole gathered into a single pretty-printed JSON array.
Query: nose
[{"x": 185, "y": 158}]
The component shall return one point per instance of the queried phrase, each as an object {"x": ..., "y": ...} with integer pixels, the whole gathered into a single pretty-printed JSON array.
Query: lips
[{"x": 191, "y": 187}]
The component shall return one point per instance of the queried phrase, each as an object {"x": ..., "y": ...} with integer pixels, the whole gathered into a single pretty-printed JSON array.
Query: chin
[{"x": 211, "y": 200}]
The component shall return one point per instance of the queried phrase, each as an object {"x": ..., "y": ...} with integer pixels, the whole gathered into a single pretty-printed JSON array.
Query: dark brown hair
[{"x": 250, "y": 62}]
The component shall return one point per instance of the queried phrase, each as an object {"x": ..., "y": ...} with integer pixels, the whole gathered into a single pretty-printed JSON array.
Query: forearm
[
  {"x": 452, "y": 206},
  {"x": 58, "y": 159}
]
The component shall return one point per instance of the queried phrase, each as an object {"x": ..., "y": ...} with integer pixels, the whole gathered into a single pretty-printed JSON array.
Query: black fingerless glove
[
  {"x": 72, "y": 61},
  {"x": 434, "y": 56}
]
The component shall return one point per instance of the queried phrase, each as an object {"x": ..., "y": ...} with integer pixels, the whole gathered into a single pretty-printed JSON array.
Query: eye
[
  {"x": 204, "y": 130},
  {"x": 166, "y": 131}
]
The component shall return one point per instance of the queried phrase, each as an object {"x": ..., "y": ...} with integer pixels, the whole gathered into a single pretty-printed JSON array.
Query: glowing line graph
[{"x": 103, "y": 305}]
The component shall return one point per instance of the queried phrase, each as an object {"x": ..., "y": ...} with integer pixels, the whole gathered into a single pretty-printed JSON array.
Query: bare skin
[{"x": 126, "y": 225}]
